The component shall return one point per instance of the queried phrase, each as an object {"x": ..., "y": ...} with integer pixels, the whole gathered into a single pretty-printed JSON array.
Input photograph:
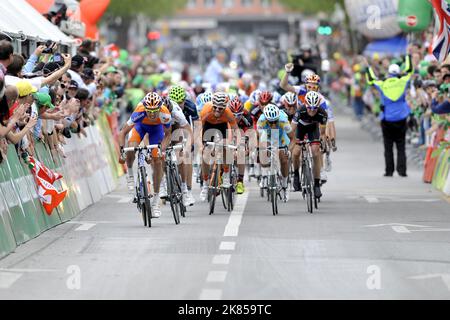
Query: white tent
[{"x": 19, "y": 17}]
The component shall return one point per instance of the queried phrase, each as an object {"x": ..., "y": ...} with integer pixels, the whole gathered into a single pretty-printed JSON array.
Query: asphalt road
[{"x": 372, "y": 238}]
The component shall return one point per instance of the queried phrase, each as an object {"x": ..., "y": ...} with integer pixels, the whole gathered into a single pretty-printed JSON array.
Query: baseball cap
[
  {"x": 43, "y": 100},
  {"x": 77, "y": 61},
  {"x": 73, "y": 84},
  {"x": 111, "y": 69},
  {"x": 88, "y": 73},
  {"x": 25, "y": 88}
]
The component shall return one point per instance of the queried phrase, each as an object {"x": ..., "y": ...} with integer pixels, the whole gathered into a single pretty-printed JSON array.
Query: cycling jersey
[
  {"x": 245, "y": 121},
  {"x": 190, "y": 111},
  {"x": 143, "y": 125},
  {"x": 309, "y": 125},
  {"x": 265, "y": 131},
  {"x": 209, "y": 121}
]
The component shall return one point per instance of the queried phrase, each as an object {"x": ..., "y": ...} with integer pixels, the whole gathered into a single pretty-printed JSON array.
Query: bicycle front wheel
[
  {"x": 214, "y": 189},
  {"x": 173, "y": 194},
  {"x": 309, "y": 187},
  {"x": 273, "y": 195},
  {"x": 147, "y": 209}
]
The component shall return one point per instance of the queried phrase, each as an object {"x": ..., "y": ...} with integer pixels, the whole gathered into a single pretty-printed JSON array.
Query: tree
[
  {"x": 129, "y": 10},
  {"x": 150, "y": 8},
  {"x": 310, "y": 7}
]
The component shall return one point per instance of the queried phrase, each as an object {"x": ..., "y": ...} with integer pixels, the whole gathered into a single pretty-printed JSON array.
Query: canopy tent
[
  {"x": 19, "y": 17},
  {"x": 392, "y": 46}
]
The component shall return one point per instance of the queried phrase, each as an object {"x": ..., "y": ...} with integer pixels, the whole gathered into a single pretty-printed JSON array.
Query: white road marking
[
  {"x": 221, "y": 259},
  {"x": 216, "y": 276},
  {"x": 227, "y": 245},
  {"x": 400, "y": 229},
  {"x": 396, "y": 224},
  {"x": 444, "y": 276},
  {"x": 211, "y": 294},
  {"x": 371, "y": 199},
  {"x": 85, "y": 226},
  {"x": 234, "y": 222},
  {"x": 7, "y": 279},
  {"x": 28, "y": 270}
]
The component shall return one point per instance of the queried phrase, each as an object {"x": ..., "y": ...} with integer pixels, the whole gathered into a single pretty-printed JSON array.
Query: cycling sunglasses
[
  {"x": 272, "y": 122},
  {"x": 311, "y": 108},
  {"x": 219, "y": 108},
  {"x": 239, "y": 114},
  {"x": 312, "y": 87}
]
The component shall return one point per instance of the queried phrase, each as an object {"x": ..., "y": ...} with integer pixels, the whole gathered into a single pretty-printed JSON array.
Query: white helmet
[
  {"x": 271, "y": 112},
  {"x": 394, "y": 69},
  {"x": 305, "y": 74},
  {"x": 254, "y": 96},
  {"x": 290, "y": 98},
  {"x": 312, "y": 99}
]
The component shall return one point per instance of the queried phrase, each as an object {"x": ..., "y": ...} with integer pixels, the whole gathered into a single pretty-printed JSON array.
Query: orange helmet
[
  {"x": 152, "y": 101},
  {"x": 313, "y": 79}
]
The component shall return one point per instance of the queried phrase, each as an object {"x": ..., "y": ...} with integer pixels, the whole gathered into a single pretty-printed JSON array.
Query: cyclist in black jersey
[{"x": 306, "y": 123}]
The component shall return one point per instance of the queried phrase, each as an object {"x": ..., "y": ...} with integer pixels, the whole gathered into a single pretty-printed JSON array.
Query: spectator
[
  {"x": 6, "y": 55},
  {"x": 395, "y": 113},
  {"x": 76, "y": 69},
  {"x": 215, "y": 71}
]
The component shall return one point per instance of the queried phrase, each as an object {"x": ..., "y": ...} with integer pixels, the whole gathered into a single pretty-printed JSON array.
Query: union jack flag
[{"x": 441, "y": 42}]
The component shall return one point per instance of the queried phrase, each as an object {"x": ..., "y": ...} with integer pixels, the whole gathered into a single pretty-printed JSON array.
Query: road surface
[{"x": 372, "y": 238}]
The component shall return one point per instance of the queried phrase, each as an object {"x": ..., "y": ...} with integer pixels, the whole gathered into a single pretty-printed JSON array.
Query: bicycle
[
  {"x": 142, "y": 198},
  {"x": 214, "y": 189},
  {"x": 174, "y": 192},
  {"x": 306, "y": 178},
  {"x": 273, "y": 180}
]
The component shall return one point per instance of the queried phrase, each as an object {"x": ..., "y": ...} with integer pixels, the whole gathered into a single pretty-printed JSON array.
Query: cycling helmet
[
  {"x": 166, "y": 102},
  {"x": 272, "y": 112},
  {"x": 207, "y": 97},
  {"x": 265, "y": 97},
  {"x": 232, "y": 95},
  {"x": 198, "y": 80},
  {"x": 236, "y": 105},
  {"x": 312, "y": 100},
  {"x": 290, "y": 98},
  {"x": 254, "y": 97},
  {"x": 220, "y": 99},
  {"x": 305, "y": 74},
  {"x": 246, "y": 79},
  {"x": 313, "y": 79},
  {"x": 152, "y": 101},
  {"x": 177, "y": 94}
]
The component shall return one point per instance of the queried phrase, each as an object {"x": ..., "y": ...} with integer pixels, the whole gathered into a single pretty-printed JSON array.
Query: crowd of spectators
[
  {"x": 427, "y": 94},
  {"x": 50, "y": 96}
]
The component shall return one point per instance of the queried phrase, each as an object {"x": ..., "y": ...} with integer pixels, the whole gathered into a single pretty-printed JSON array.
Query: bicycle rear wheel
[
  {"x": 180, "y": 193},
  {"x": 147, "y": 209}
]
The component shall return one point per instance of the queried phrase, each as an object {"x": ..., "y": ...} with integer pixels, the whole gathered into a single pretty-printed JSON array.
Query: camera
[{"x": 48, "y": 49}]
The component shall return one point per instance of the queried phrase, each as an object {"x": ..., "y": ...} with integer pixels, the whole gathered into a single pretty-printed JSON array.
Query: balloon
[
  {"x": 91, "y": 12},
  {"x": 43, "y": 6}
]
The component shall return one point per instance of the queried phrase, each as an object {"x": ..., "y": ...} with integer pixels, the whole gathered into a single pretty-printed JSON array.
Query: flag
[
  {"x": 42, "y": 171},
  {"x": 441, "y": 42},
  {"x": 49, "y": 196}
]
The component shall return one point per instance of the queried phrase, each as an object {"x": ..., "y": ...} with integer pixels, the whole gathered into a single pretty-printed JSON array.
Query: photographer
[{"x": 304, "y": 61}]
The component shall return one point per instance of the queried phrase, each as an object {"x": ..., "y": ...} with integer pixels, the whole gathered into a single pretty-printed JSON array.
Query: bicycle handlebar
[
  {"x": 215, "y": 144},
  {"x": 136, "y": 149}
]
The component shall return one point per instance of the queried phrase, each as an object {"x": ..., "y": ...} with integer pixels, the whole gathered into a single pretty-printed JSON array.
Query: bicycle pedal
[{"x": 134, "y": 200}]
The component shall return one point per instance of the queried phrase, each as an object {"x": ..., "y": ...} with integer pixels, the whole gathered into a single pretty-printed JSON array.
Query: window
[
  {"x": 228, "y": 3},
  {"x": 247, "y": 3},
  {"x": 210, "y": 3},
  {"x": 266, "y": 3}
]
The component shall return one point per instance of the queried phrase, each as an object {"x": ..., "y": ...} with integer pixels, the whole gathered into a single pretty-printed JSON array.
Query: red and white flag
[{"x": 49, "y": 196}]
